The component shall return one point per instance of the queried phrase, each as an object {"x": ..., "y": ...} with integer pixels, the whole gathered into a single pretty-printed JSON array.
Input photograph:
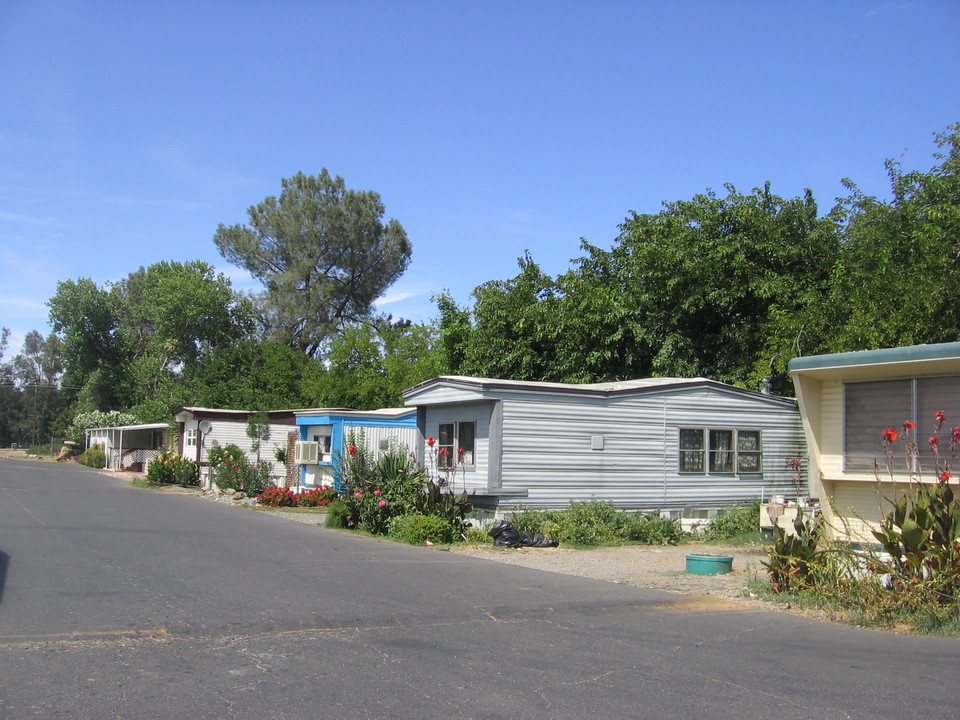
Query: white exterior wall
[
  {"x": 317, "y": 475},
  {"x": 230, "y": 432}
]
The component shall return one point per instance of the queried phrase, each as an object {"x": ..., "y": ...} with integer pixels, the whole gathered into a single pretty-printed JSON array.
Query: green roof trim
[{"x": 939, "y": 351}]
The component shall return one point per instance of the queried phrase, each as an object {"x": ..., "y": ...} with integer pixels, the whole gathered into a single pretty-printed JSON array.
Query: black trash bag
[
  {"x": 537, "y": 540},
  {"x": 505, "y": 534}
]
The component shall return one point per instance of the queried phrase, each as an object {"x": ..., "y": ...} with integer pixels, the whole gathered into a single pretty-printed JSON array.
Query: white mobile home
[
  {"x": 653, "y": 444},
  {"x": 204, "y": 428}
]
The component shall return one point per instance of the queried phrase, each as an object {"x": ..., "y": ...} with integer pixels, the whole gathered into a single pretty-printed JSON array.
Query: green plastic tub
[{"x": 709, "y": 564}]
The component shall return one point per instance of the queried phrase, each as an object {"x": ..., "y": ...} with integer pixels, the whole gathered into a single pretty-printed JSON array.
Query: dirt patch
[{"x": 660, "y": 568}]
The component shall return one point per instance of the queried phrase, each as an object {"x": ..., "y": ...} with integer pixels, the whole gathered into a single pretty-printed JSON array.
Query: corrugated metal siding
[
  {"x": 378, "y": 438},
  {"x": 474, "y": 478},
  {"x": 546, "y": 449}
]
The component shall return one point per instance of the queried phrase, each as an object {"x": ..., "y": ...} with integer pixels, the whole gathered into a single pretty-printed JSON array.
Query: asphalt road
[{"x": 117, "y": 602}]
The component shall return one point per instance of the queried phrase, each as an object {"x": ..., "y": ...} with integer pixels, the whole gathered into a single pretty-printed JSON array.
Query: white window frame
[
  {"x": 469, "y": 458},
  {"x": 712, "y": 455},
  {"x": 189, "y": 438}
]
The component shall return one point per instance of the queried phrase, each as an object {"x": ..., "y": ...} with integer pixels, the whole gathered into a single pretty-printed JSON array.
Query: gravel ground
[{"x": 662, "y": 568}]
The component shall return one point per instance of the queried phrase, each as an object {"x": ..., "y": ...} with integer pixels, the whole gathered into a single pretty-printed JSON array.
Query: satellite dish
[{"x": 205, "y": 426}]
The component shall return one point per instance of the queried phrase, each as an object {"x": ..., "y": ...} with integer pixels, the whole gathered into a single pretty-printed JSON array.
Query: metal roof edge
[
  {"x": 910, "y": 353},
  {"x": 604, "y": 389}
]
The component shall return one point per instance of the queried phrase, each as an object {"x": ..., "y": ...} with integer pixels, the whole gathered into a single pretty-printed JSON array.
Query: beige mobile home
[{"x": 848, "y": 400}]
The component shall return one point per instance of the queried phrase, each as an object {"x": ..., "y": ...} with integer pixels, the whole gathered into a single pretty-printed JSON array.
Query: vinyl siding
[
  {"x": 471, "y": 478},
  {"x": 226, "y": 432},
  {"x": 853, "y": 510},
  {"x": 547, "y": 448}
]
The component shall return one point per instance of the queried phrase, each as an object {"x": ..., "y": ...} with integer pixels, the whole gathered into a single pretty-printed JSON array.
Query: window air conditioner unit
[{"x": 306, "y": 452}]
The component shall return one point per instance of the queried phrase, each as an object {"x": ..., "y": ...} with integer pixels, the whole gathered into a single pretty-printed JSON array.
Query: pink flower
[
  {"x": 358, "y": 494},
  {"x": 376, "y": 492},
  {"x": 382, "y": 503}
]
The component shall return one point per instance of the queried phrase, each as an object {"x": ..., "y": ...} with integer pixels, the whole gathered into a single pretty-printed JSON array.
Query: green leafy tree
[
  {"x": 707, "y": 277},
  {"x": 37, "y": 370},
  {"x": 370, "y": 364},
  {"x": 127, "y": 345},
  {"x": 181, "y": 311},
  {"x": 258, "y": 430},
  {"x": 454, "y": 328},
  {"x": 87, "y": 318},
  {"x": 253, "y": 373},
  {"x": 323, "y": 253},
  {"x": 514, "y": 333},
  {"x": 901, "y": 265},
  {"x": 11, "y": 398}
]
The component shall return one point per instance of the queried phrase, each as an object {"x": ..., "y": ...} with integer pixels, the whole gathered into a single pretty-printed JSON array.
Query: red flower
[
  {"x": 934, "y": 441},
  {"x": 430, "y": 441},
  {"x": 460, "y": 451},
  {"x": 944, "y": 476},
  {"x": 955, "y": 435},
  {"x": 940, "y": 416},
  {"x": 890, "y": 435},
  {"x": 352, "y": 449},
  {"x": 908, "y": 426},
  {"x": 443, "y": 451}
]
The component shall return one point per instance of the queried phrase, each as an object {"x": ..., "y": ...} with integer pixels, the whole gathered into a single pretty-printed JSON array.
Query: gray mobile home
[{"x": 652, "y": 444}]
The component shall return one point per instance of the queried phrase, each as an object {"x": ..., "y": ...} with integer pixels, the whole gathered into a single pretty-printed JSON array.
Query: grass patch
[{"x": 140, "y": 482}]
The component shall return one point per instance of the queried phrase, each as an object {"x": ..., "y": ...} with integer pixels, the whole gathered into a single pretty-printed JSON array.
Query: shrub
[
  {"x": 169, "y": 468},
  {"x": 735, "y": 521},
  {"x": 338, "y": 516},
  {"x": 232, "y": 471},
  {"x": 376, "y": 490},
  {"x": 420, "y": 529},
  {"x": 222, "y": 454},
  {"x": 652, "y": 529},
  {"x": 318, "y": 497},
  {"x": 277, "y": 497},
  {"x": 530, "y": 521},
  {"x": 93, "y": 457},
  {"x": 590, "y": 522}
]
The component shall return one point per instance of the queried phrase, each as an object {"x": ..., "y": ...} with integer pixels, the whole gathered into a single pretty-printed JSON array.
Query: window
[
  {"x": 190, "y": 438},
  {"x": 456, "y": 444},
  {"x": 720, "y": 452},
  {"x": 869, "y": 408},
  {"x": 325, "y": 447}
]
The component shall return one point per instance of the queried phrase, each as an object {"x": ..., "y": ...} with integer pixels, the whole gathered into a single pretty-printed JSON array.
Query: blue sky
[{"x": 130, "y": 129}]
